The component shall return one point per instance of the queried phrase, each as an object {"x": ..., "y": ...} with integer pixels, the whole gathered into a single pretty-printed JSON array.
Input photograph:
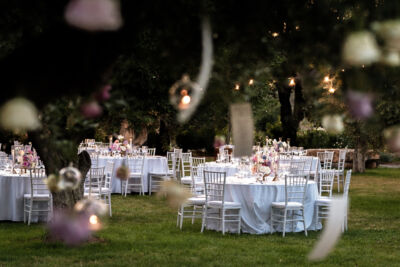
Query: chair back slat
[
  {"x": 296, "y": 187},
  {"x": 347, "y": 184},
  {"x": 214, "y": 186},
  {"x": 38, "y": 184},
  {"x": 326, "y": 182}
]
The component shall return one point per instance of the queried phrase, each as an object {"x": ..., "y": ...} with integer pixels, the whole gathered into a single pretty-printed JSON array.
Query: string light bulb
[
  {"x": 275, "y": 34},
  {"x": 251, "y": 82},
  {"x": 326, "y": 79},
  {"x": 331, "y": 90},
  {"x": 237, "y": 87},
  {"x": 292, "y": 82}
]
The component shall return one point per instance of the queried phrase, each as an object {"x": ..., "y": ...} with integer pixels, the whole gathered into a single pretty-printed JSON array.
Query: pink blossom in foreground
[
  {"x": 359, "y": 104},
  {"x": 91, "y": 110},
  {"x": 94, "y": 15},
  {"x": 104, "y": 93},
  {"x": 71, "y": 230}
]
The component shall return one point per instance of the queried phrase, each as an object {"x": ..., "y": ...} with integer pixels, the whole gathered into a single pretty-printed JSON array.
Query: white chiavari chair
[
  {"x": 339, "y": 172},
  {"x": 39, "y": 193},
  {"x": 322, "y": 204},
  {"x": 186, "y": 167},
  {"x": 135, "y": 180},
  {"x": 192, "y": 208},
  {"x": 151, "y": 151},
  {"x": 230, "y": 212},
  {"x": 94, "y": 183},
  {"x": 295, "y": 193},
  {"x": 106, "y": 187}
]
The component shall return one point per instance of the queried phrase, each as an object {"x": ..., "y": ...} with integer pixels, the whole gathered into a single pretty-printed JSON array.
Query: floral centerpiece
[
  {"x": 29, "y": 160},
  {"x": 120, "y": 145}
]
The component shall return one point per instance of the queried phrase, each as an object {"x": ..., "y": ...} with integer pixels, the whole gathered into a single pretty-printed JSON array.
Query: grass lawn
[{"x": 143, "y": 231}]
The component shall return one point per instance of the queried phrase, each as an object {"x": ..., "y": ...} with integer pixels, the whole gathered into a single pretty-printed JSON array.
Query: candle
[
  {"x": 130, "y": 142},
  {"x": 110, "y": 141}
]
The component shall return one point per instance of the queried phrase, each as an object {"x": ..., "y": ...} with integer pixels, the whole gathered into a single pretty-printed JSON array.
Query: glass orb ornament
[
  {"x": 69, "y": 178},
  {"x": 182, "y": 92}
]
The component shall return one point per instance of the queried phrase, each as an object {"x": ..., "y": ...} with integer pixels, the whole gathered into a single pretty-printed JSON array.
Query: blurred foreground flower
[
  {"x": 91, "y": 206},
  {"x": 332, "y": 230},
  {"x": 104, "y": 93},
  {"x": 333, "y": 123},
  {"x": 359, "y": 104},
  {"x": 91, "y": 110},
  {"x": 175, "y": 194},
  {"x": 52, "y": 183},
  {"x": 71, "y": 229},
  {"x": 19, "y": 114},
  {"x": 389, "y": 31},
  {"x": 123, "y": 172},
  {"x": 94, "y": 15},
  {"x": 219, "y": 140},
  {"x": 361, "y": 48},
  {"x": 392, "y": 138}
]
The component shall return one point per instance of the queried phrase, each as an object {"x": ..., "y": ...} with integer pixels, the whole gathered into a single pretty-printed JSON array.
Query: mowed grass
[{"x": 143, "y": 232}]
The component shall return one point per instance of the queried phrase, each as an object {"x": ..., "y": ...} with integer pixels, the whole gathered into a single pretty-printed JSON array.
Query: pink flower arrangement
[{"x": 28, "y": 160}]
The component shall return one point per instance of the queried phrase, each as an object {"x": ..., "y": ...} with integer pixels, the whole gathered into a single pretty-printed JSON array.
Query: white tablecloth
[
  {"x": 12, "y": 190},
  {"x": 256, "y": 200},
  {"x": 229, "y": 168},
  {"x": 154, "y": 164}
]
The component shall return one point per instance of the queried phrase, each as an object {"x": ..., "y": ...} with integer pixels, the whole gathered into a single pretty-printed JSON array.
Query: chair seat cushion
[
  {"x": 227, "y": 204},
  {"x": 38, "y": 196},
  {"x": 289, "y": 204},
  {"x": 158, "y": 173},
  {"x": 186, "y": 180},
  {"x": 323, "y": 200},
  {"x": 196, "y": 201}
]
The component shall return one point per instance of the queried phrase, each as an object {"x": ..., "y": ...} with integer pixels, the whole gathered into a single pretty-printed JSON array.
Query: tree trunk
[
  {"x": 290, "y": 119},
  {"x": 55, "y": 158},
  {"x": 359, "y": 156}
]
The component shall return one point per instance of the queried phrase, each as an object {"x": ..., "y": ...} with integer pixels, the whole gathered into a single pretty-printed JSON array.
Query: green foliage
[{"x": 322, "y": 139}]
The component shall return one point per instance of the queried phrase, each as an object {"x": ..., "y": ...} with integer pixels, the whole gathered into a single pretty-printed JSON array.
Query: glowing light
[
  {"x": 93, "y": 220},
  {"x": 331, "y": 90},
  {"x": 342, "y": 70},
  {"x": 237, "y": 87},
  {"x": 297, "y": 27},
  {"x": 251, "y": 82},
  {"x": 184, "y": 92},
  {"x": 326, "y": 79},
  {"x": 275, "y": 34},
  {"x": 186, "y": 100},
  {"x": 363, "y": 66},
  {"x": 292, "y": 83}
]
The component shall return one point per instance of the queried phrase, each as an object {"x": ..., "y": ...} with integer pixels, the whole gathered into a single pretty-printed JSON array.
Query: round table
[
  {"x": 12, "y": 190},
  {"x": 229, "y": 168},
  {"x": 256, "y": 200},
  {"x": 153, "y": 164}
]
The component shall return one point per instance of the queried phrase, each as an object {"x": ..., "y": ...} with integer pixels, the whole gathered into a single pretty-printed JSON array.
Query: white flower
[
  {"x": 360, "y": 48},
  {"x": 391, "y": 58},
  {"x": 333, "y": 123},
  {"x": 389, "y": 30},
  {"x": 120, "y": 137},
  {"x": 284, "y": 144},
  {"x": 123, "y": 148},
  {"x": 19, "y": 114}
]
